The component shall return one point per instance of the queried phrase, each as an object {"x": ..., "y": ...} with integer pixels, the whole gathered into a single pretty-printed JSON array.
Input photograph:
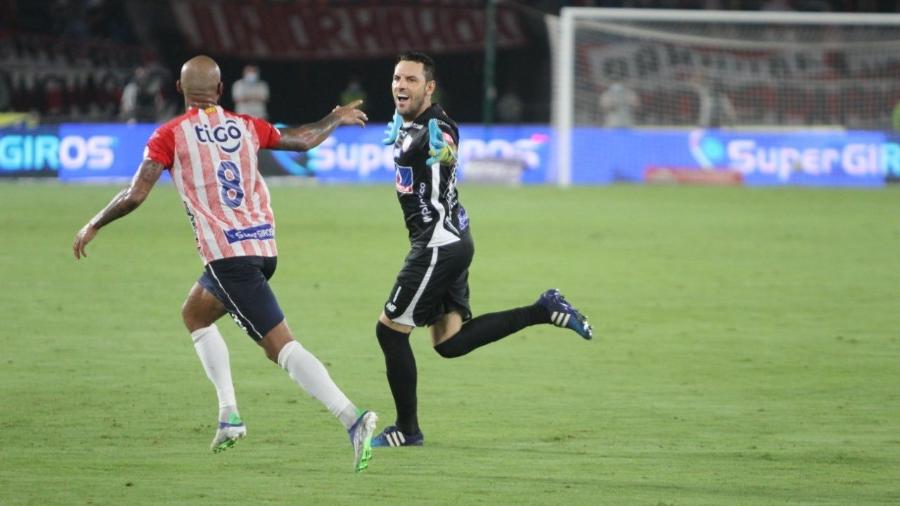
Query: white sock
[
  {"x": 213, "y": 354},
  {"x": 306, "y": 370}
]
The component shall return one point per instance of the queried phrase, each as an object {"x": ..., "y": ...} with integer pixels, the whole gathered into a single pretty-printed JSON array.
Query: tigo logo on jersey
[
  {"x": 404, "y": 179},
  {"x": 227, "y": 136}
]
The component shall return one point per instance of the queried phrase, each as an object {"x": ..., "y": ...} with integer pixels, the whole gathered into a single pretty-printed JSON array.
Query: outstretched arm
[
  {"x": 440, "y": 145},
  {"x": 123, "y": 203},
  {"x": 306, "y": 137}
]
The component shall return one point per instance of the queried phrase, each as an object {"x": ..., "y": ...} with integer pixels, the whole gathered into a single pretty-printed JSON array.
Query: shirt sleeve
[
  {"x": 161, "y": 147},
  {"x": 269, "y": 136}
]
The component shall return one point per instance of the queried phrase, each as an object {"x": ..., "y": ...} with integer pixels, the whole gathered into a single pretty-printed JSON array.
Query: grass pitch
[{"x": 747, "y": 353}]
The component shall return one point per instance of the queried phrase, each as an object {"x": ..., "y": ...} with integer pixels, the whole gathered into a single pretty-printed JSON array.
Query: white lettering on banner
[
  {"x": 313, "y": 31},
  {"x": 361, "y": 158},
  {"x": 522, "y": 150},
  {"x": 854, "y": 159},
  {"x": 72, "y": 152},
  {"x": 371, "y": 157},
  {"x": 366, "y": 158},
  {"x": 860, "y": 159},
  {"x": 76, "y": 152}
]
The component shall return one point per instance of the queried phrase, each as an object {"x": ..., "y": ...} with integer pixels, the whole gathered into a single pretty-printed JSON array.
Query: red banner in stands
[{"x": 283, "y": 30}]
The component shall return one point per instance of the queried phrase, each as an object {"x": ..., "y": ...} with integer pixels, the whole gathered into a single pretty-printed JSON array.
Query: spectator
[
  {"x": 108, "y": 95},
  {"x": 895, "y": 117},
  {"x": 509, "y": 107},
  {"x": 716, "y": 109},
  {"x": 250, "y": 93},
  {"x": 53, "y": 87},
  {"x": 353, "y": 91},
  {"x": 5, "y": 93},
  {"x": 141, "y": 98},
  {"x": 618, "y": 104}
]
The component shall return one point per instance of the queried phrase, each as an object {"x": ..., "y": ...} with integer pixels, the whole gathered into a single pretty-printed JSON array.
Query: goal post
[{"x": 661, "y": 69}]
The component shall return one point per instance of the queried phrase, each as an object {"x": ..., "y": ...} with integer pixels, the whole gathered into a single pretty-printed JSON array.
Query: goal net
[{"x": 665, "y": 69}]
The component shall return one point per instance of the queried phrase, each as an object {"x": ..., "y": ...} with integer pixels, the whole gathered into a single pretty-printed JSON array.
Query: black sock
[
  {"x": 491, "y": 327},
  {"x": 401, "y": 375}
]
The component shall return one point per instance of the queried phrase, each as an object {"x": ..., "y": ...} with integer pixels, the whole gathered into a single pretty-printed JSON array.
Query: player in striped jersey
[
  {"x": 212, "y": 156},
  {"x": 432, "y": 289}
]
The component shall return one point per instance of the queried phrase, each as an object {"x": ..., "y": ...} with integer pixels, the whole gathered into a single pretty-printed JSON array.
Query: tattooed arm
[
  {"x": 126, "y": 201},
  {"x": 306, "y": 137}
]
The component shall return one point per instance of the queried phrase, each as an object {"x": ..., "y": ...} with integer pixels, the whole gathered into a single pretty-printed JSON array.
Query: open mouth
[{"x": 402, "y": 99}]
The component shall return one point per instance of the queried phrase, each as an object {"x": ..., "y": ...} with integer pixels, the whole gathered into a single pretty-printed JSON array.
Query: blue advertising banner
[
  {"x": 101, "y": 151},
  {"x": 354, "y": 155},
  {"x": 73, "y": 151},
  {"x": 828, "y": 158},
  {"x": 519, "y": 154},
  {"x": 29, "y": 152},
  {"x": 603, "y": 156}
]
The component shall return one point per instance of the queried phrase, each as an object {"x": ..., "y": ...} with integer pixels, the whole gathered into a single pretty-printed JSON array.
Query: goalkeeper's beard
[{"x": 414, "y": 107}]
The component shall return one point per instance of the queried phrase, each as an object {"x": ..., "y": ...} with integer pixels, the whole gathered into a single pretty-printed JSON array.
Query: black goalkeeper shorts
[{"x": 433, "y": 282}]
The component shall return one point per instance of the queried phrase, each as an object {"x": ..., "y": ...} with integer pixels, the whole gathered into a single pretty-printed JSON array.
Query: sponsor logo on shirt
[
  {"x": 462, "y": 217},
  {"x": 259, "y": 232},
  {"x": 423, "y": 206},
  {"x": 226, "y": 136},
  {"x": 404, "y": 179}
]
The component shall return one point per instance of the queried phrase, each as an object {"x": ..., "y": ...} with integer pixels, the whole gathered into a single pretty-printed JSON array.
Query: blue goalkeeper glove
[
  {"x": 440, "y": 151},
  {"x": 392, "y": 130}
]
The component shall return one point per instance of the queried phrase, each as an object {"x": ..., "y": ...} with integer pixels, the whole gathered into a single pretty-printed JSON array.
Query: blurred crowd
[
  {"x": 65, "y": 59},
  {"x": 58, "y": 77},
  {"x": 90, "y": 60}
]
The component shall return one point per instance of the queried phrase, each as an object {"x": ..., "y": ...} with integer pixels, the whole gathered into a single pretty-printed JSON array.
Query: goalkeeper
[{"x": 432, "y": 288}]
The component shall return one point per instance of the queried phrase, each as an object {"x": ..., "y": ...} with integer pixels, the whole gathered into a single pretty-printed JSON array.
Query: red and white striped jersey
[{"x": 212, "y": 155}]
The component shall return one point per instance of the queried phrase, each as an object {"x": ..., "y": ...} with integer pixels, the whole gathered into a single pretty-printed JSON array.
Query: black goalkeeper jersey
[{"x": 427, "y": 194}]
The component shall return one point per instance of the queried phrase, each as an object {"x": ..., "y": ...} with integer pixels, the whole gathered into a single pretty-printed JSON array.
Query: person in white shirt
[
  {"x": 618, "y": 104},
  {"x": 250, "y": 93}
]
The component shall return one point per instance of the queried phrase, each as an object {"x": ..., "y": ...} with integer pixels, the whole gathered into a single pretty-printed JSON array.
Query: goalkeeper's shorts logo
[{"x": 404, "y": 180}]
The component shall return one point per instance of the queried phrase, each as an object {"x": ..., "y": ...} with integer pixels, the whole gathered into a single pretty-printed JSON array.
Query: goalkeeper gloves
[
  {"x": 392, "y": 130},
  {"x": 440, "y": 151}
]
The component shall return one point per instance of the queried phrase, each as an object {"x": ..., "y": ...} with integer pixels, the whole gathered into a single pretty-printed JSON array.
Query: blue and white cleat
[
  {"x": 392, "y": 436},
  {"x": 562, "y": 314},
  {"x": 228, "y": 433},
  {"x": 361, "y": 438}
]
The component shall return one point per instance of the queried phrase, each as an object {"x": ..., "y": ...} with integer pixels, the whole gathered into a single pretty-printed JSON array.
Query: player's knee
[
  {"x": 189, "y": 318},
  {"x": 271, "y": 354},
  {"x": 389, "y": 338},
  {"x": 449, "y": 349},
  {"x": 271, "y": 349},
  {"x": 443, "y": 351},
  {"x": 273, "y": 341}
]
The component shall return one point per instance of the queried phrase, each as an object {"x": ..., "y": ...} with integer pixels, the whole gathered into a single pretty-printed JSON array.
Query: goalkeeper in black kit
[{"x": 432, "y": 288}]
